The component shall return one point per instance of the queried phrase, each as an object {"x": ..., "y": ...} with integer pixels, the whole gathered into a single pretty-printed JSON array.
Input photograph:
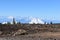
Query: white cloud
[
  {"x": 36, "y": 21},
  {"x": 4, "y": 23},
  {"x": 10, "y": 17}
]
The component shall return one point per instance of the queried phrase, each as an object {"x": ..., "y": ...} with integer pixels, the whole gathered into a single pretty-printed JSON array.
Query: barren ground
[{"x": 36, "y": 36}]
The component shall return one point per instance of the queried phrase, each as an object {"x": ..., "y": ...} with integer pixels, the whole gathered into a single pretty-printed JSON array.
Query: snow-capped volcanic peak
[{"x": 36, "y": 21}]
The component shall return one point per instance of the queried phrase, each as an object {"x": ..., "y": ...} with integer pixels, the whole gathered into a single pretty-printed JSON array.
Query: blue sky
[{"x": 45, "y": 9}]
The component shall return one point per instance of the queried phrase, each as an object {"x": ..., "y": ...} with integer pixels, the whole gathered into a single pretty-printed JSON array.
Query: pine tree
[
  {"x": 14, "y": 21},
  {"x": 51, "y": 23}
]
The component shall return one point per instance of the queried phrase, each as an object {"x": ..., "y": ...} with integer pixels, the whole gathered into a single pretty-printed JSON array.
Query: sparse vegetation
[{"x": 30, "y": 30}]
